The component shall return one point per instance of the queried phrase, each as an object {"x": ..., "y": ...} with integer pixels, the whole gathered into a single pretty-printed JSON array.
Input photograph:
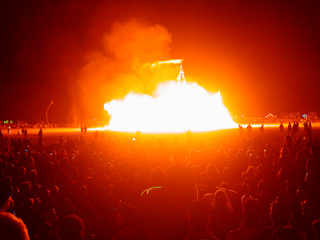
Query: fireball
[{"x": 176, "y": 106}]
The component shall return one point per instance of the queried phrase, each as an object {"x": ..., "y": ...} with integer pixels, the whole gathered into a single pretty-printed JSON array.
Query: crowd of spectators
[{"x": 117, "y": 187}]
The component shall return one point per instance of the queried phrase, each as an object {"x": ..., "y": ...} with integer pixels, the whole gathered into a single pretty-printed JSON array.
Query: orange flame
[
  {"x": 175, "y": 107},
  {"x": 173, "y": 61}
]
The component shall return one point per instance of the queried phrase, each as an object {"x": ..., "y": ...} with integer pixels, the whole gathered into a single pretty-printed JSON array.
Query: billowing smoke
[{"x": 124, "y": 65}]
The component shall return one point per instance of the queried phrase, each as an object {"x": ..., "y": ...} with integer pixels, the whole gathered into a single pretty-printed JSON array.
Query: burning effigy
[{"x": 175, "y": 106}]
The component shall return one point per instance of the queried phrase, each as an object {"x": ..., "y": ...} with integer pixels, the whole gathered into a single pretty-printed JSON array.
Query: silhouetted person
[
  {"x": 181, "y": 180},
  {"x": 240, "y": 131},
  {"x": 281, "y": 128},
  {"x": 281, "y": 213},
  {"x": 2, "y": 141},
  {"x": 161, "y": 211},
  {"x": 287, "y": 170},
  {"x": 12, "y": 228},
  {"x": 288, "y": 232},
  {"x": 249, "y": 128},
  {"x": 289, "y": 128},
  {"x": 199, "y": 217},
  {"x": 71, "y": 227},
  {"x": 222, "y": 215},
  {"x": 130, "y": 226},
  {"x": 295, "y": 129},
  {"x": 313, "y": 171},
  {"x": 62, "y": 141},
  {"x": 316, "y": 229},
  {"x": 290, "y": 145},
  {"x": 251, "y": 228},
  {"x": 305, "y": 127},
  {"x": 6, "y": 192},
  {"x": 301, "y": 159},
  {"x": 40, "y": 134},
  {"x": 127, "y": 189},
  {"x": 262, "y": 130}
]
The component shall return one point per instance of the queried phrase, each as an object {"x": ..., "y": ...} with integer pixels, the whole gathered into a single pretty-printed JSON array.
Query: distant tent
[{"x": 271, "y": 118}]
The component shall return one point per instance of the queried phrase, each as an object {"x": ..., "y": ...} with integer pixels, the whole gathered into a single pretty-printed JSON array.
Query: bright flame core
[{"x": 176, "y": 107}]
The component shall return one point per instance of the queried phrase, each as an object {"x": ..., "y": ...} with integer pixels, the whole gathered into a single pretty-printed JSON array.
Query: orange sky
[{"x": 262, "y": 55}]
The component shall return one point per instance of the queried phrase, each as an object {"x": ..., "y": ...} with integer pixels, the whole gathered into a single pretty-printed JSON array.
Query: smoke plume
[{"x": 120, "y": 67}]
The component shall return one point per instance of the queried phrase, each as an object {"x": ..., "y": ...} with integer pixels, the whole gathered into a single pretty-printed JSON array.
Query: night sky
[{"x": 264, "y": 56}]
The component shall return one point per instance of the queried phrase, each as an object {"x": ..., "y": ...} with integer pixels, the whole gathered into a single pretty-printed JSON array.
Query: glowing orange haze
[{"x": 175, "y": 107}]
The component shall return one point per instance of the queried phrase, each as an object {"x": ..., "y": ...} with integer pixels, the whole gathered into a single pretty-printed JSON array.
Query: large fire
[{"x": 176, "y": 106}]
